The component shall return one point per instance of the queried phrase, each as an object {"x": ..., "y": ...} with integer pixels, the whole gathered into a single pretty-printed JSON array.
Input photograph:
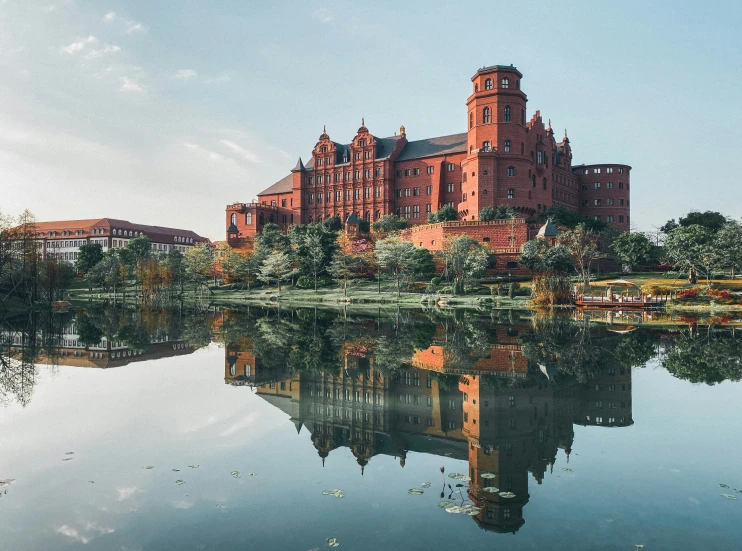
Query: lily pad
[
  {"x": 491, "y": 490},
  {"x": 148, "y": 468},
  {"x": 507, "y": 495},
  {"x": 445, "y": 504},
  {"x": 235, "y": 474},
  {"x": 567, "y": 470},
  {"x": 470, "y": 510},
  {"x": 723, "y": 486},
  {"x": 455, "y": 476},
  {"x": 416, "y": 491},
  {"x": 6, "y": 482},
  {"x": 425, "y": 485},
  {"x": 333, "y": 542},
  {"x": 335, "y": 493},
  {"x": 180, "y": 482},
  {"x": 487, "y": 476},
  {"x": 193, "y": 466},
  {"x": 70, "y": 453},
  {"x": 729, "y": 496},
  {"x": 455, "y": 510},
  {"x": 68, "y": 459},
  {"x": 176, "y": 470}
]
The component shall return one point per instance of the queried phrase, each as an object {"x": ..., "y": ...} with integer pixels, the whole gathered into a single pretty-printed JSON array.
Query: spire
[
  {"x": 363, "y": 121},
  {"x": 323, "y": 461},
  {"x": 566, "y": 139},
  {"x": 324, "y": 135},
  {"x": 548, "y": 129},
  {"x": 299, "y": 166}
]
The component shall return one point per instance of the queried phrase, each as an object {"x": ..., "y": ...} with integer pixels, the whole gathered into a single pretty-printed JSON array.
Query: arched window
[
  {"x": 471, "y": 120},
  {"x": 507, "y": 113},
  {"x": 505, "y": 82},
  {"x": 377, "y": 216},
  {"x": 487, "y": 115},
  {"x": 488, "y": 84},
  {"x": 248, "y": 219},
  {"x": 367, "y": 216},
  {"x": 507, "y": 146},
  {"x": 234, "y": 219}
]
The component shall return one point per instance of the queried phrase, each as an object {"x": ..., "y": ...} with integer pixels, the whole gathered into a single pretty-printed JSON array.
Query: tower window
[
  {"x": 533, "y": 180},
  {"x": 233, "y": 219},
  {"x": 471, "y": 120},
  {"x": 544, "y": 183},
  {"x": 511, "y": 171},
  {"x": 507, "y": 146},
  {"x": 486, "y": 115},
  {"x": 505, "y": 82},
  {"x": 486, "y": 146},
  {"x": 507, "y": 113},
  {"x": 511, "y": 193},
  {"x": 488, "y": 84}
]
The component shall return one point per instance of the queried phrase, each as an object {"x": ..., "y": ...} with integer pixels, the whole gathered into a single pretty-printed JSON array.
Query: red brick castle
[{"x": 504, "y": 158}]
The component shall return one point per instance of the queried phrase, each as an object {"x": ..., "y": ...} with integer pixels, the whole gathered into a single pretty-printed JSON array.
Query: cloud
[
  {"x": 212, "y": 155},
  {"x": 185, "y": 74},
  {"x": 323, "y": 15},
  {"x": 134, "y": 27},
  {"x": 241, "y": 151},
  {"x": 78, "y": 46},
  {"x": 129, "y": 85},
  {"x": 182, "y": 504},
  {"x": 106, "y": 49},
  {"x": 72, "y": 533},
  {"x": 217, "y": 80},
  {"x": 126, "y": 493},
  {"x": 110, "y": 16}
]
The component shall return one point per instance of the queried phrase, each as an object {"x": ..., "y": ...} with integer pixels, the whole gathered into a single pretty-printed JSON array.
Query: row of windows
[
  {"x": 608, "y": 202},
  {"x": 610, "y": 218},
  {"x": 412, "y": 211},
  {"x": 487, "y": 116},
  {"x": 608, "y": 170},
  {"x": 415, "y": 191},
  {"x": 504, "y": 83},
  {"x": 346, "y": 195},
  {"x": 608, "y": 185}
]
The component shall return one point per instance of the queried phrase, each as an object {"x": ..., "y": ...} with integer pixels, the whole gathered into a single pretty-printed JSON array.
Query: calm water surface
[{"x": 126, "y": 430}]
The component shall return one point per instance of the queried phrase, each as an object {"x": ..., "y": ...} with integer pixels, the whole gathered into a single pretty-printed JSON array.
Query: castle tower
[{"x": 496, "y": 126}]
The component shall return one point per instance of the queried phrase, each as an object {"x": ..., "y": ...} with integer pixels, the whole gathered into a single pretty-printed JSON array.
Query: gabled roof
[
  {"x": 385, "y": 146},
  {"x": 115, "y": 223},
  {"x": 442, "y": 145},
  {"x": 284, "y": 185}
]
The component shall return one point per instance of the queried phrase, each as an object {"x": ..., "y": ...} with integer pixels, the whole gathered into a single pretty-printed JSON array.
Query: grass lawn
[{"x": 668, "y": 280}]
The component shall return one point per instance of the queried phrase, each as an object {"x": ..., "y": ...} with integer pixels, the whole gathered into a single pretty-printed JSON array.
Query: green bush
[
  {"x": 305, "y": 282},
  {"x": 435, "y": 281}
]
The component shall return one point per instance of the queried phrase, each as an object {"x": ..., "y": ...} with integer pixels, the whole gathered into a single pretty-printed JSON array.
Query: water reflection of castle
[{"x": 504, "y": 415}]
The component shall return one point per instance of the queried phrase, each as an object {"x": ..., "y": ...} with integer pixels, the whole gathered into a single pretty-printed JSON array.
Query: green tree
[
  {"x": 444, "y": 214},
  {"x": 633, "y": 249},
  {"x": 271, "y": 239},
  {"x": 711, "y": 220},
  {"x": 390, "y": 223},
  {"x": 141, "y": 248},
  {"x": 501, "y": 212},
  {"x": 539, "y": 257},
  {"x": 276, "y": 268},
  {"x": 314, "y": 246},
  {"x": 88, "y": 256},
  {"x": 464, "y": 259},
  {"x": 582, "y": 245},
  {"x": 423, "y": 263},
  {"x": 692, "y": 248},
  {"x": 198, "y": 266},
  {"x": 728, "y": 246},
  {"x": 344, "y": 267},
  {"x": 397, "y": 256}
]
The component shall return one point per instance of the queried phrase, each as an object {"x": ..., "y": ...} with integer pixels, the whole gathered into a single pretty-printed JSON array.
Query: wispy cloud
[
  {"x": 80, "y": 45},
  {"x": 241, "y": 151},
  {"x": 110, "y": 16},
  {"x": 126, "y": 493},
  {"x": 129, "y": 85},
  {"x": 217, "y": 80},
  {"x": 323, "y": 15},
  {"x": 72, "y": 533},
  {"x": 185, "y": 74},
  {"x": 212, "y": 155},
  {"x": 134, "y": 27},
  {"x": 106, "y": 49}
]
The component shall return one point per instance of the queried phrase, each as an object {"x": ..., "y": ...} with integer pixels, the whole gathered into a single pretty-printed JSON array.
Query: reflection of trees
[
  {"x": 711, "y": 356},
  {"x": 467, "y": 339}
]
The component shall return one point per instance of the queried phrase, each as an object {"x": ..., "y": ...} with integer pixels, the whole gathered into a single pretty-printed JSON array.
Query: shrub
[
  {"x": 720, "y": 293},
  {"x": 305, "y": 282},
  {"x": 688, "y": 293},
  {"x": 435, "y": 281}
]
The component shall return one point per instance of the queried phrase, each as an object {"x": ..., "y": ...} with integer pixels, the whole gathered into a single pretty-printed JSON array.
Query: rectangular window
[
  {"x": 358, "y": 175},
  {"x": 398, "y": 192},
  {"x": 416, "y": 191},
  {"x": 596, "y": 171},
  {"x": 416, "y": 171},
  {"x": 540, "y": 157},
  {"x": 429, "y": 190},
  {"x": 407, "y": 211},
  {"x": 337, "y": 196},
  {"x": 511, "y": 193},
  {"x": 609, "y": 218},
  {"x": 609, "y": 202},
  {"x": 620, "y": 202},
  {"x": 450, "y": 188},
  {"x": 367, "y": 174},
  {"x": 377, "y": 192},
  {"x": 377, "y": 172},
  {"x": 596, "y": 185},
  {"x": 609, "y": 170},
  {"x": 416, "y": 211},
  {"x": 511, "y": 171},
  {"x": 584, "y": 202},
  {"x": 451, "y": 167},
  {"x": 357, "y": 193},
  {"x": 406, "y": 192},
  {"x": 347, "y": 195},
  {"x": 407, "y": 172},
  {"x": 430, "y": 169},
  {"x": 366, "y": 154},
  {"x": 597, "y": 202},
  {"x": 620, "y": 217},
  {"x": 609, "y": 185},
  {"x": 620, "y": 170},
  {"x": 428, "y": 208},
  {"x": 620, "y": 185},
  {"x": 399, "y": 173}
]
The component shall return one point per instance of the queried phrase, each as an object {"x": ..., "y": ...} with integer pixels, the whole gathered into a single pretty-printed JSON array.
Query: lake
[{"x": 124, "y": 429}]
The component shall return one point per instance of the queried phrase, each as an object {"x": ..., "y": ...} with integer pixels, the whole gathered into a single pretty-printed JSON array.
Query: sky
[{"x": 163, "y": 113}]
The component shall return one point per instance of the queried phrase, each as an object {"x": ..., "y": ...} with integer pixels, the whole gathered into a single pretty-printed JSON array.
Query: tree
[
  {"x": 276, "y": 268},
  {"x": 246, "y": 267},
  {"x": 314, "y": 246},
  {"x": 692, "y": 248},
  {"x": 444, "y": 214},
  {"x": 107, "y": 274},
  {"x": 539, "y": 257},
  {"x": 728, "y": 246},
  {"x": 582, "y": 245},
  {"x": 501, "y": 212},
  {"x": 711, "y": 220},
  {"x": 344, "y": 267},
  {"x": 332, "y": 223},
  {"x": 88, "y": 256},
  {"x": 423, "y": 263},
  {"x": 390, "y": 223},
  {"x": 271, "y": 239},
  {"x": 561, "y": 216},
  {"x": 141, "y": 248},
  {"x": 397, "y": 256},
  {"x": 198, "y": 265},
  {"x": 633, "y": 249},
  {"x": 464, "y": 258}
]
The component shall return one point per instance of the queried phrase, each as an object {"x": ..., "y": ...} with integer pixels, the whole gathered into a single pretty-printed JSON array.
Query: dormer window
[
  {"x": 362, "y": 143},
  {"x": 345, "y": 158},
  {"x": 505, "y": 82},
  {"x": 488, "y": 84},
  {"x": 323, "y": 149}
]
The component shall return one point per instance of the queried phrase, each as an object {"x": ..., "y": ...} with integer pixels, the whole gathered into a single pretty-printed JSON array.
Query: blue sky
[{"x": 161, "y": 114}]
